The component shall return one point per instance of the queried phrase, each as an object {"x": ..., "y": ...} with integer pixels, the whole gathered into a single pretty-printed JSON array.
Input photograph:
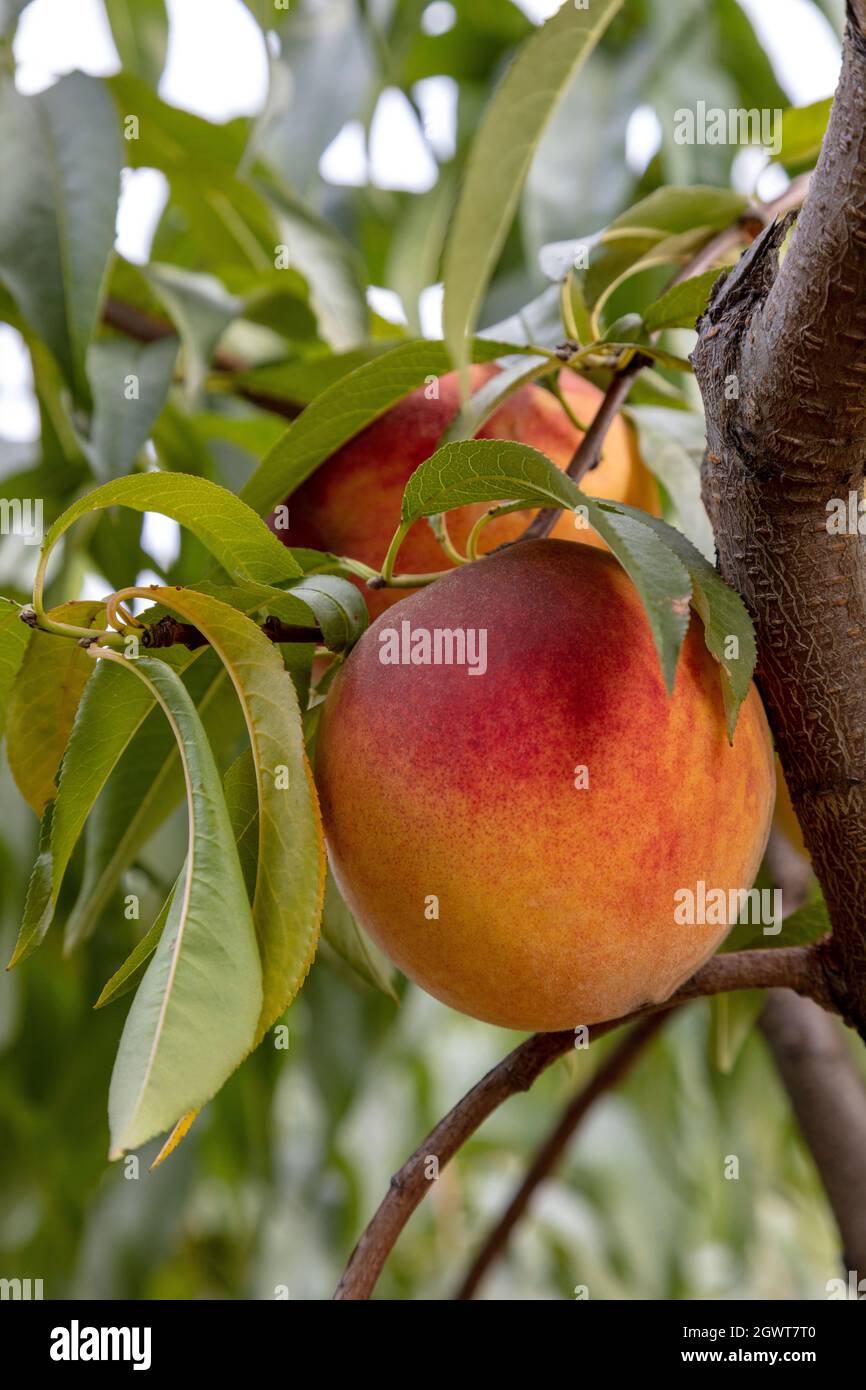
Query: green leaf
[
  {"x": 733, "y": 1018},
  {"x": 324, "y": 600},
  {"x": 331, "y": 265},
  {"x": 110, "y": 717},
  {"x": 803, "y": 129},
  {"x": 233, "y": 534},
  {"x": 320, "y": 79},
  {"x": 339, "y": 927},
  {"x": 194, "y": 1015},
  {"x": 242, "y": 798},
  {"x": 44, "y": 699},
  {"x": 143, "y": 790},
  {"x": 14, "y": 637},
  {"x": 290, "y": 881},
  {"x": 254, "y": 434},
  {"x": 692, "y": 214},
  {"x": 682, "y": 304},
  {"x": 722, "y": 611},
  {"x": 140, "y": 31},
  {"x": 129, "y": 974},
  {"x": 671, "y": 443},
  {"x": 129, "y": 382},
  {"x": 744, "y": 57},
  {"x": 345, "y": 408},
  {"x": 337, "y": 605},
  {"x": 354, "y": 948},
  {"x": 801, "y": 928},
  {"x": 656, "y": 354},
  {"x": 202, "y": 310},
  {"x": 493, "y": 470},
  {"x": 479, "y": 407},
  {"x": 656, "y": 572},
  {"x": 300, "y": 380},
  {"x": 60, "y": 174},
  {"x": 501, "y": 155},
  {"x": 169, "y": 138},
  {"x": 111, "y": 711},
  {"x": 38, "y": 890},
  {"x": 485, "y": 470}
]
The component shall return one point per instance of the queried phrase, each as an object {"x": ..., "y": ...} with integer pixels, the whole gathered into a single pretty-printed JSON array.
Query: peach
[
  {"x": 513, "y": 836},
  {"x": 351, "y": 504}
]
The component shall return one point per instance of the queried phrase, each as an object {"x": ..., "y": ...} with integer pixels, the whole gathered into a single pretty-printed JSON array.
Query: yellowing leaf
[
  {"x": 44, "y": 699},
  {"x": 291, "y": 863}
]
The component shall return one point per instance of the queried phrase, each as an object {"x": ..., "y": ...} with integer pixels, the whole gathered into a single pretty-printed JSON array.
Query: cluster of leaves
[{"x": 253, "y": 308}]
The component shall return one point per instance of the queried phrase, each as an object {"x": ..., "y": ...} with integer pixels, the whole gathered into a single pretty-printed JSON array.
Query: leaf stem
[
  {"x": 488, "y": 516},
  {"x": 397, "y": 540}
]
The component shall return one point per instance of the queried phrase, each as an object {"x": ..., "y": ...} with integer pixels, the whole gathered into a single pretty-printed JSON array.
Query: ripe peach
[
  {"x": 460, "y": 829},
  {"x": 351, "y": 504}
]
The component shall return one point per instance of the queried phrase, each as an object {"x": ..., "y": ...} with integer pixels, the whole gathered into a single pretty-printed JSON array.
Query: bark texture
[{"x": 781, "y": 362}]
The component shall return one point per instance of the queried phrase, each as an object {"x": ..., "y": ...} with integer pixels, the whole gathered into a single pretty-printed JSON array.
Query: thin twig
[
  {"x": 588, "y": 452},
  {"x": 612, "y": 1070},
  {"x": 795, "y": 967}
]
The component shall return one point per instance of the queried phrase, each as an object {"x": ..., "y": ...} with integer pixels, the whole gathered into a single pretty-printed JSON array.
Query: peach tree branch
[
  {"x": 794, "y": 967},
  {"x": 612, "y": 1070}
]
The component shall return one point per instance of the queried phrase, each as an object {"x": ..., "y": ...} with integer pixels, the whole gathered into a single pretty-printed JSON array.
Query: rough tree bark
[{"x": 781, "y": 362}]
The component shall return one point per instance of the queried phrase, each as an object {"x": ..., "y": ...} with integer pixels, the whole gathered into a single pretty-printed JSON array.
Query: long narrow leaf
[{"x": 194, "y": 1016}]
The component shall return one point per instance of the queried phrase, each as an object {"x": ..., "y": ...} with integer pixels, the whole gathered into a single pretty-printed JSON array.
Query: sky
[{"x": 217, "y": 67}]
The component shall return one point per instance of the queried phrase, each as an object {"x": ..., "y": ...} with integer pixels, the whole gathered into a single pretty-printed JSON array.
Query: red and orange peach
[
  {"x": 513, "y": 837},
  {"x": 351, "y": 504}
]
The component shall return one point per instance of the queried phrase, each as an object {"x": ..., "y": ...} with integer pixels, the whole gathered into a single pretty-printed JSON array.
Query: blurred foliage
[{"x": 279, "y": 1173}]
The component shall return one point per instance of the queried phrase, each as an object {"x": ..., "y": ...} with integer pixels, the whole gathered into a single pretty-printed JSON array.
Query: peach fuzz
[
  {"x": 351, "y": 504},
  {"x": 555, "y": 905}
]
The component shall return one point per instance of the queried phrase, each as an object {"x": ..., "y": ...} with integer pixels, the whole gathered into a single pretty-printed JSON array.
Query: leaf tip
[{"x": 181, "y": 1128}]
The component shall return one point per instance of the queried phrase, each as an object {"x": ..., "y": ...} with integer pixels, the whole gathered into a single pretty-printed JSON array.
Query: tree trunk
[{"x": 781, "y": 362}]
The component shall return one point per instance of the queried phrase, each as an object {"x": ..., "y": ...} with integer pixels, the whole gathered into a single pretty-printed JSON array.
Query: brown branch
[
  {"x": 170, "y": 632},
  {"x": 815, "y": 1063},
  {"x": 612, "y": 1070},
  {"x": 781, "y": 362},
  {"x": 797, "y": 968},
  {"x": 588, "y": 452}
]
